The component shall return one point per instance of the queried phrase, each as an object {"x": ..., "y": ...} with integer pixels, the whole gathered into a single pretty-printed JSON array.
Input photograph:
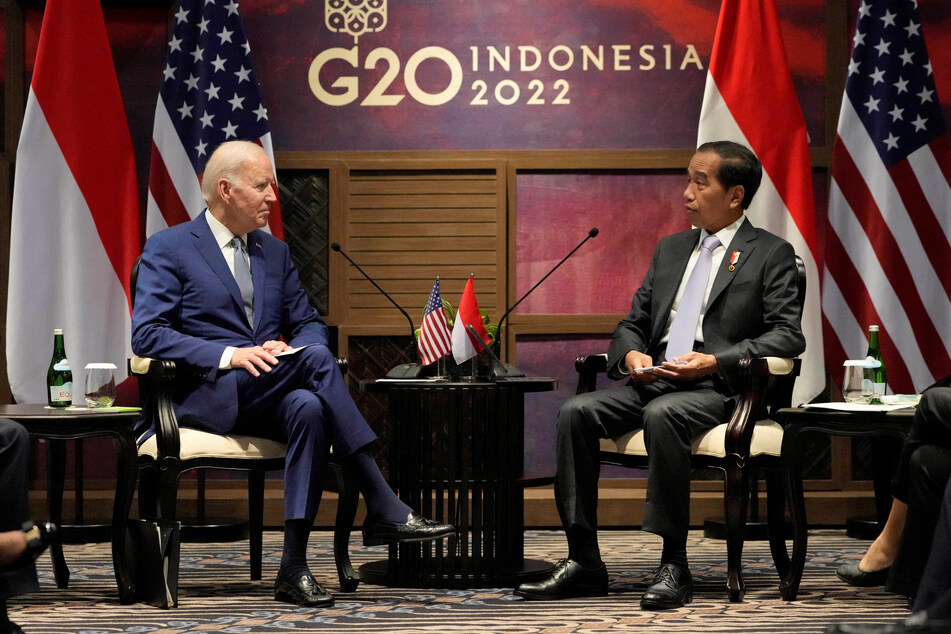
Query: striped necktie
[{"x": 242, "y": 275}]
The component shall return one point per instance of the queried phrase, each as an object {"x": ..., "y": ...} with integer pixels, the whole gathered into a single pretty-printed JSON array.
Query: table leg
[
  {"x": 57, "y": 477},
  {"x": 792, "y": 474},
  {"x": 126, "y": 471}
]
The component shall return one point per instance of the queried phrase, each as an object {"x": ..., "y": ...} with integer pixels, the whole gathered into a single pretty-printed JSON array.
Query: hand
[
  {"x": 253, "y": 358},
  {"x": 692, "y": 365},
  {"x": 275, "y": 347},
  {"x": 634, "y": 360}
]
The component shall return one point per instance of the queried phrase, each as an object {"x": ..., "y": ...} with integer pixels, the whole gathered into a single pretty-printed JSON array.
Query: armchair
[
  {"x": 173, "y": 451},
  {"x": 749, "y": 440}
]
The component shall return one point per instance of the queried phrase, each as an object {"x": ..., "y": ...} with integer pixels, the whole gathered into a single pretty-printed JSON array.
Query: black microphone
[
  {"x": 412, "y": 329},
  {"x": 498, "y": 370},
  {"x": 592, "y": 233}
]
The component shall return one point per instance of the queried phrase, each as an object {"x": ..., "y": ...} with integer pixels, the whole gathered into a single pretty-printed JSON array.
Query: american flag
[
  {"x": 888, "y": 257},
  {"x": 435, "y": 340},
  {"x": 209, "y": 95}
]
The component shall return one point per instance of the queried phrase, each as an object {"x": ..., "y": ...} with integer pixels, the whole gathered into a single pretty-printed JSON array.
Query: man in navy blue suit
[{"x": 197, "y": 303}]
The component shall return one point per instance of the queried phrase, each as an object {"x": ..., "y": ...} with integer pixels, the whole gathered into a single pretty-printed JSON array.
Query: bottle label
[
  {"x": 61, "y": 365},
  {"x": 61, "y": 393}
]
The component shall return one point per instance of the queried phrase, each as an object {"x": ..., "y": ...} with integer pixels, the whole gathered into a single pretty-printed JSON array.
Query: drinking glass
[
  {"x": 100, "y": 384},
  {"x": 855, "y": 389}
]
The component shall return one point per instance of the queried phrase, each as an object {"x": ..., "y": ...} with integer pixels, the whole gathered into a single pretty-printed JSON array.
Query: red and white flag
[
  {"x": 463, "y": 345},
  {"x": 435, "y": 340},
  {"x": 888, "y": 257},
  {"x": 75, "y": 224},
  {"x": 750, "y": 98},
  {"x": 209, "y": 95}
]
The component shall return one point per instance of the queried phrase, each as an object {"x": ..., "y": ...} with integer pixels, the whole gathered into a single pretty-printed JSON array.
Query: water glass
[
  {"x": 100, "y": 384},
  {"x": 855, "y": 389}
]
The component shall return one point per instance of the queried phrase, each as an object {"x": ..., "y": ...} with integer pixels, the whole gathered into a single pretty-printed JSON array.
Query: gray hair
[{"x": 225, "y": 162}]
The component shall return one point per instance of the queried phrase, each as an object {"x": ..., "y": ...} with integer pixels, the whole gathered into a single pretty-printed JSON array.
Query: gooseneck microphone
[
  {"x": 412, "y": 329},
  {"x": 592, "y": 233}
]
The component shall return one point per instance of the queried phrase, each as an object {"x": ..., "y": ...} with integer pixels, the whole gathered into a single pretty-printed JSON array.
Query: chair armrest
[
  {"x": 768, "y": 383},
  {"x": 588, "y": 367},
  {"x": 158, "y": 376}
]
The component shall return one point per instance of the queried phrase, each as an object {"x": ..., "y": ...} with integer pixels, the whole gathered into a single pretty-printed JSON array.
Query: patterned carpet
[{"x": 216, "y": 595}]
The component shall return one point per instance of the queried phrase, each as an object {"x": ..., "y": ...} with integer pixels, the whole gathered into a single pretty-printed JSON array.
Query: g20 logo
[{"x": 355, "y": 17}]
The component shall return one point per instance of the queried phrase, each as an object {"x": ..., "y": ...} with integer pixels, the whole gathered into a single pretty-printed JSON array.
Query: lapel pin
[{"x": 733, "y": 259}]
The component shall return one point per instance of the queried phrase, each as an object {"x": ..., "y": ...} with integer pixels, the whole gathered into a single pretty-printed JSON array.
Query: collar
[
  {"x": 222, "y": 234},
  {"x": 726, "y": 234}
]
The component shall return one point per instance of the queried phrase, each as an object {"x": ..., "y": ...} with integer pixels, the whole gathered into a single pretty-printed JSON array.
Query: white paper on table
[{"x": 858, "y": 407}]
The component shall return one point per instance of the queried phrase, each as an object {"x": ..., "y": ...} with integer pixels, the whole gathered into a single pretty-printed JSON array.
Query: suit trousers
[
  {"x": 303, "y": 401},
  {"x": 934, "y": 593},
  {"x": 924, "y": 469},
  {"x": 14, "y": 463},
  {"x": 671, "y": 414}
]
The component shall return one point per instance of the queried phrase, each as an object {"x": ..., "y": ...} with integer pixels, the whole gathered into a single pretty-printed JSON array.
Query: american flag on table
[
  {"x": 888, "y": 258},
  {"x": 209, "y": 95},
  {"x": 435, "y": 340}
]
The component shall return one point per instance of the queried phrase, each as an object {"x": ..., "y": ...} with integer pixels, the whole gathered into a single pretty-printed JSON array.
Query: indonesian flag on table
[
  {"x": 750, "y": 98},
  {"x": 209, "y": 95},
  {"x": 888, "y": 255},
  {"x": 75, "y": 223},
  {"x": 463, "y": 345}
]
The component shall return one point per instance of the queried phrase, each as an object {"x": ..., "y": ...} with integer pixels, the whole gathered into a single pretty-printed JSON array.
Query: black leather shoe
[
  {"x": 304, "y": 591},
  {"x": 416, "y": 529},
  {"x": 852, "y": 574},
  {"x": 568, "y": 579},
  {"x": 38, "y": 538},
  {"x": 672, "y": 588},
  {"x": 12, "y": 628}
]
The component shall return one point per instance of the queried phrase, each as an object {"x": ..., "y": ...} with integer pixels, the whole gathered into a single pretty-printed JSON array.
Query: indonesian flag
[
  {"x": 750, "y": 99},
  {"x": 463, "y": 345},
  {"x": 75, "y": 225}
]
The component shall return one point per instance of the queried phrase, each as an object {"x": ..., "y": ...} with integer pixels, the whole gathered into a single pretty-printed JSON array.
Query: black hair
[{"x": 738, "y": 166}]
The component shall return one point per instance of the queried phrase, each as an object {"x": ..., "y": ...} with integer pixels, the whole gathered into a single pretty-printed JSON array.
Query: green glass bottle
[
  {"x": 59, "y": 377},
  {"x": 877, "y": 373}
]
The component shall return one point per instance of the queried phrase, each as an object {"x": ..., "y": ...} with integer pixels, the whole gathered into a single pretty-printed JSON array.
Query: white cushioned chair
[{"x": 749, "y": 440}]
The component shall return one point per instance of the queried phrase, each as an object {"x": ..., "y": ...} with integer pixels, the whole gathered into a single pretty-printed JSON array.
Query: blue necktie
[
  {"x": 242, "y": 275},
  {"x": 683, "y": 331}
]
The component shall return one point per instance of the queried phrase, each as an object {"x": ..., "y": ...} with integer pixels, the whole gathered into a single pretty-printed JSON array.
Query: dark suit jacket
[
  {"x": 188, "y": 308},
  {"x": 752, "y": 311}
]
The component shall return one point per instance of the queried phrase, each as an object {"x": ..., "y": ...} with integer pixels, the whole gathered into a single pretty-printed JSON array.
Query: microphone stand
[
  {"x": 412, "y": 329},
  {"x": 592, "y": 233}
]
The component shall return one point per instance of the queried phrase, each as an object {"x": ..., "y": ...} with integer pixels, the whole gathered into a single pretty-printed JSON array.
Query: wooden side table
[
  {"x": 456, "y": 455},
  {"x": 72, "y": 423},
  {"x": 798, "y": 421}
]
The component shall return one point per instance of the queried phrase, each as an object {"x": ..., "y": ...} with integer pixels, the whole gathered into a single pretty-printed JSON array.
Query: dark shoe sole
[
  {"x": 582, "y": 592},
  {"x": 384, "y": 541},
  {"x": 656, "y": 604}
]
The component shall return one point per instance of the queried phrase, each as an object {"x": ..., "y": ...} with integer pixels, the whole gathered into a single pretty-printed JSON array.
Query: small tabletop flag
[
  {"x": 463, "y": 347},
  {"x": 435, "y": 340}
]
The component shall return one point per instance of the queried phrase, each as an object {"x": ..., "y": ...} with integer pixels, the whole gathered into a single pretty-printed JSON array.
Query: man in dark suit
[
  {"x": 745, "y": 304},
  {"x": 21, "y": 541},
  {"x": 197, "y": 303}
]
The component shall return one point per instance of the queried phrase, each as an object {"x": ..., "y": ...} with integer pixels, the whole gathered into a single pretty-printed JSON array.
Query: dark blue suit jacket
[{"x": 188, "y": 308}]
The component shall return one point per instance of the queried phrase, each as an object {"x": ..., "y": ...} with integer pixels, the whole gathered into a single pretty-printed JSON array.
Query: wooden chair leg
[
  {"x": 776, "y": 521},
  {"x": 256, "y": 521},
  {"x": 347, "y": 501},
  {"x": 735, "y": 504}
]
